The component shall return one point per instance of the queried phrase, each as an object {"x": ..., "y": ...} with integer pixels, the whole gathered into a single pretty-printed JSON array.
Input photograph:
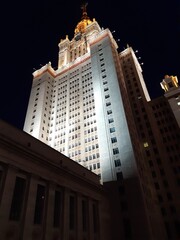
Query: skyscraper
[
  {"x": 95, "y": 109},
  {"x": 78, "y": 109}
]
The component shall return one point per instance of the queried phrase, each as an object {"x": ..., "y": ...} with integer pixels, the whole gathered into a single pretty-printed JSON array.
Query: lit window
[{"x": 146, "y": 144}]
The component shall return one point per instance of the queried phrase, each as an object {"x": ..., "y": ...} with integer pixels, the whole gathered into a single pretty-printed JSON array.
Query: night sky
[{"x": 31, "y": 31}]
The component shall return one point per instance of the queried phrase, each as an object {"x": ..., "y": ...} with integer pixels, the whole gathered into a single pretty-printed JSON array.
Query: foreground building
[
  {"x": 45, "y": 195},
  {"x": 96, "y": 110}
]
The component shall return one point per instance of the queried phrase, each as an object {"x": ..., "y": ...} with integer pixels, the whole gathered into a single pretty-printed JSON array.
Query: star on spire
[{"x": 84, "y": 11}]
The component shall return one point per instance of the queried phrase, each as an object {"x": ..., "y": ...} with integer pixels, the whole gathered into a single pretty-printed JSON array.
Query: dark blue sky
[{"x": 31, "y": 31}]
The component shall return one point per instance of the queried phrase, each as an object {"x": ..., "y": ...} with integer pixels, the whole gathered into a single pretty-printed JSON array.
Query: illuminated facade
[
  {"x": 96, "y": 110},
  {"x": 172, "y": 93},
  {"x": 78, "y": 108}
]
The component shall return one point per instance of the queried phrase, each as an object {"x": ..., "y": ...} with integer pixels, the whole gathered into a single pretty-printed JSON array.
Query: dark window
[
  {"x": 127, "y": 229},
  {"x": 17, "y": 200},
  {"x": 111, "y": 120},
  {"x": 173, "y": 209},
  {"x": 57, "y": 208},
  {"x": 156, "y": 185},
  {"x": 95, "y": 217},
  {"x": 153, "y": 174},
  {"x": 163, "y": 211},
  {"x": 39, "y": 207},
  {"x": 109, "y": 112},
  {"x": 165, "y": 183},
  {"x": 147, "y": 153},
  {"x": 124, "y": 206},
  {"x": 108, "y": 104},
  {"x": 112, "y": 129},
  {"x": 121, "y": 190},
  {"x": 84, "y": 215},
  {"x": 150, "y": 163},
  {"x": 107, "y": 96},
  {"x": 177, "y": 227},
  {"x": 117, "y": 163},
  {"x": 114, "y": 140},
  {"x": 168, "y": 231},
  {"x": 119, "y": 176},
  {"x": 160, "y": 198},
  {"x": 170, "y": 84},
  {"x": 115, "y": 151},
  {"x": 71, "y": 213},
  {"x": 169, "y": 196}
]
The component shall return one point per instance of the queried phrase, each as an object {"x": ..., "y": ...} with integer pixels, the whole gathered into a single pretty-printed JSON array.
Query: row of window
[{"x": 18, "y": 202}]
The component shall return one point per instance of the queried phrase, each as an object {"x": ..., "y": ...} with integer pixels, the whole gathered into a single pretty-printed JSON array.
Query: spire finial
[{"x": 84, "y": 12}]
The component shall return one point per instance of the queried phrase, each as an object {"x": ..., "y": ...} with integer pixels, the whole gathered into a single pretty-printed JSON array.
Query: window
[
  {"x": 84, "y": 215},
  {"x": 71, "y": 212},
  {"x": 117, "y": 163},
  {"x": 127, "y": 228},
  {"x": 156, "y": 184},
  {"x": 168, "y": 231},
  {"x": 57, "y": 208},
  {"x": 153, "y": 174},
  {"x": 114, "y": 140},
  {"x": 124, "y": 206},
  {"x": 169, "y": 196},
  {"x": 150, "y": 163},
  {"x": 115, "y": 151},
  {"x": 95, "y": 217},
  {"x": 165, "y": 184},
  {"x": 160, "y": 198},
  {"x": 17, "y": 200},
  {"x": 111, "y": 120},
  {"x": 108, "y": 104},
  {"x": 109, "y": 112},
  {"x": 163, "y": 211},
  {"x": 40, "y": 202},
  {"x": 121, "y": 190},
  {"x": 119, "y": 176},
  {"x": 177, "y": 227},
  {"x": 112, "y": 129},
  {"x": 173, "y": 209}
]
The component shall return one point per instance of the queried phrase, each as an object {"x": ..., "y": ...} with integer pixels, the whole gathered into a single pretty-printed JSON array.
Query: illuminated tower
[
  {"x": 95, "y": 109},
  {"x": 77, "y": 109},
  {"x": 172, "y": 93}
]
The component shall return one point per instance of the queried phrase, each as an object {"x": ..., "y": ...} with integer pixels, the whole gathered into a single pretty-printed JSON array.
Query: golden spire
[
  {"x": 81, "y": 26},
  {"x": 84, "y": 11}
]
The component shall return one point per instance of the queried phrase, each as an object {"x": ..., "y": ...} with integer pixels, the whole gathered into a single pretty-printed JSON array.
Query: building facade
[
  {"x": 82, "y": 100},
  {"x": 96, "y": 110},
  {"x": 45, "y": 195},
  {"x": 172, "y": 93},
  {"x": 156, "y": 145}
]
